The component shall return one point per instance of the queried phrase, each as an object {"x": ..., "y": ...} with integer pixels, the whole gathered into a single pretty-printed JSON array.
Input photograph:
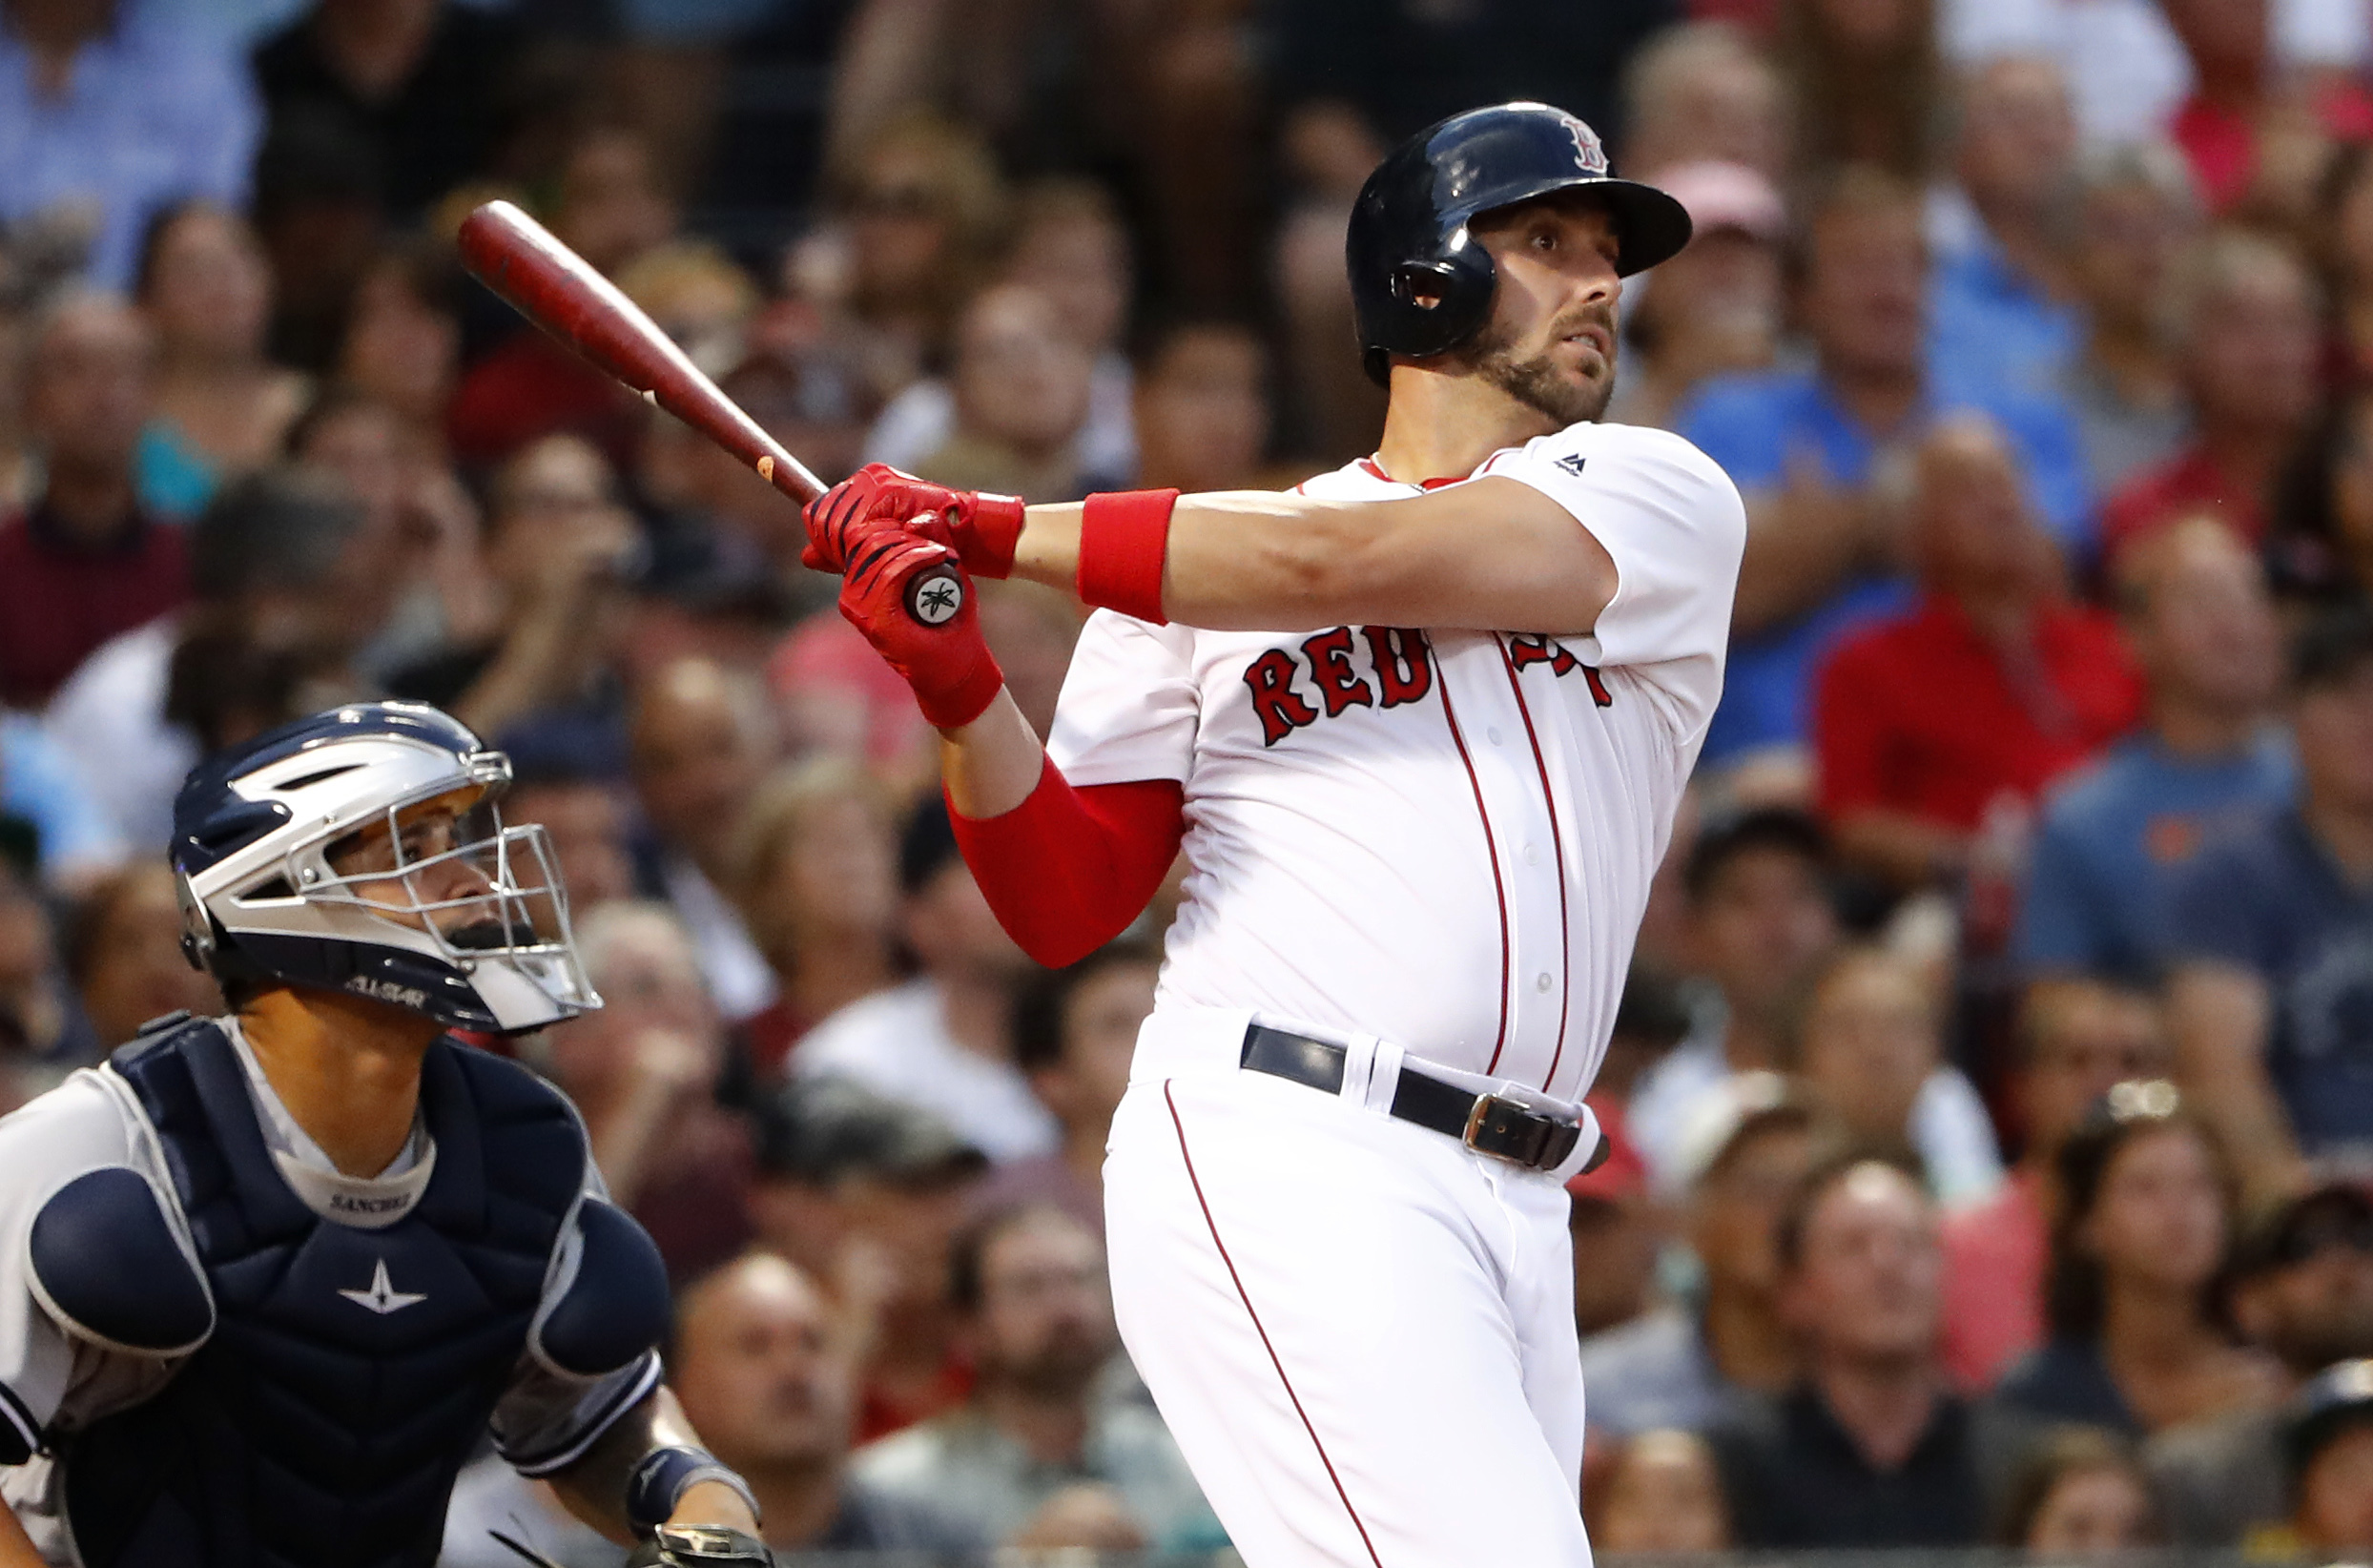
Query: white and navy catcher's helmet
[{"x": 261, "y": 904}]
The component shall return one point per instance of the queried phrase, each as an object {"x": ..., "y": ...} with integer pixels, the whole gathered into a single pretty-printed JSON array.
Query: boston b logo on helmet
[{"x": 1420, "y": 284}]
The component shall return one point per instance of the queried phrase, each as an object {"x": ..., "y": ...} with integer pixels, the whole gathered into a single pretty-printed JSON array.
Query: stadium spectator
[
  {"x": 401, "y": 345},
  {"x": 1973, "y": 701},
  {"x": 2320, "y": 548},
  {"x": 1202, "y": 410},
  {"x": 1690, "y": 1364},
  {"x": 644, "y": 1070},
  {"x": 1620, "y": 1228},
  {"x": 919, "y": 212},
  {"x": 2328, "y": 1444},
  {"x": 84, "y": 561},
  {"x": 944, "y": 1040},
  {"x": 560, "y": 550},
  {"x": 2134, "y": 210},
  {"x": 279, "y": 564},
  {"x": 115, "y": 110},
  {"x": 43, "y": 1033},
  {"x": 760, "y": 1365},
  {"x": 1659, "y": 1493},
  {"x": 611, "y": 210},
  {"x": 1869, "y": 1044},
  {"x": 2080, "y": 1492},
  {"x": 123, "y": 953},
  {"x": 1075, "y": 1032},
  {"x": 2267, "y": 965},
  {"x": 1761, "y": 922},
  {"x": 1701, "y": 91},
  {"x": 1868, "y": 83},
  {"x": 1813, "y": 448},
  {"x": 1030, "y": 1283},
  {"x": 2113, "y": 838},
  {"x": 867, "y": 1196},
  {"x": 420, "y": 85},
  {"x": 819, "y": 893},
  {"x": 1870, "y": 1448},
  {"x": 2249, "y": 319},
  {"x": 43, "y": 787},
  {"x": 2238, "y": 95},
  {"x": 2003, "y": 305},
  {"x": 699, "y": 738},
  {"x": 1069, "y": 248},
  {"x": 2301, "y": 1286},
  {"x": 222, "y": 408},
  {"x": 1021, "y": 388},
  {"x": 2136, "y": 1340},
  {"x": 2342, "y": 239},
  {"x": 1715, "y": 308},
  {"x": 2076, "y": 1038}
]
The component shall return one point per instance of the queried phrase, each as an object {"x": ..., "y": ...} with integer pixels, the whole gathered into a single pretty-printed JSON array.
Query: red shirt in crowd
[
  {"x": 1995, "y": 1256},
  {"x": 2222, "y": 143},
  {"x": 530, "y": 387},
  {"x": 2185, "y": 484},
  {"x": 1920, "y": 714},
  {"x": 60, "y": 598}
]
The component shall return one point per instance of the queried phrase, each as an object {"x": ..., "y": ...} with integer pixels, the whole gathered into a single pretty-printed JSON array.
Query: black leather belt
[{"x": 1488, "y": 1123}]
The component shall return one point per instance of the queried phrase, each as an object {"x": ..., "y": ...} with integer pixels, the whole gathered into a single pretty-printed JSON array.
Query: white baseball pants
[{"x": 1360, "y": 1332}]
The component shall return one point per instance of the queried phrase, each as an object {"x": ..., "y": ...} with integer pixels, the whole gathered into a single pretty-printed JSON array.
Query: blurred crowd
[{"x": 1992, "y": 1099}]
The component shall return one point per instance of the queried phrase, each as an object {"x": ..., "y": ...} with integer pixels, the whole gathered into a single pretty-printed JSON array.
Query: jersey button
[
  {"x": 1492, "y": 735},
  {"x": 1532, "y": 855},
  {"x": 1542, "y": 983}
]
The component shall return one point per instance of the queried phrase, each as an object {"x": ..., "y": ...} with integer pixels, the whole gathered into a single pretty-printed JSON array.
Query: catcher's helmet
[
  {"x": 1409, "y": 232},
  {"x": 475, "y": 936}
]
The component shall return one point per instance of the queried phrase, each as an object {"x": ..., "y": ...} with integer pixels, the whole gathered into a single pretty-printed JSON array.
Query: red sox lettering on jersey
[{"x": 1443, "y": 838}]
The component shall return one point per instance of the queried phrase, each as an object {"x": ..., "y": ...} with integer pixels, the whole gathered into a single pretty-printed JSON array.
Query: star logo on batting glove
[{"x": 937, "y": 598}]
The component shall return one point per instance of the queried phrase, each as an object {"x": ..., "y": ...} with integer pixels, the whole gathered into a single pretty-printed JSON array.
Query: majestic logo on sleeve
[{"x": 383, "y": 1297}]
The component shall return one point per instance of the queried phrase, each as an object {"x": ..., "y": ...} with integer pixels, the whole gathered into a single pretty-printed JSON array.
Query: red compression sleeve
[{"x": 1068, "y": 869}]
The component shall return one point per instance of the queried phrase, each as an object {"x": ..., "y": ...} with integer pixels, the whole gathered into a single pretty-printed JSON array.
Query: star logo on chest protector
[{"x": 383, "y": 1297}]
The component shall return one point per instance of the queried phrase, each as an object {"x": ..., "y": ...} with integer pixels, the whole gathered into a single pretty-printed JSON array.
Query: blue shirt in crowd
[
  {"x": 1991, "y": 323},
  {"x": 1757, "y": 425},
  {"x": 2269, "y": 899},
  {"x": 158, "y": 111},
  {"x": 2114, "y": 837},
  {"x": 41, "y": 784}
]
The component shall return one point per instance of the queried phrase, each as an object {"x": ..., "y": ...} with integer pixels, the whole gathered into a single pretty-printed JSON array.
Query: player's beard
[{"x": 1537, "y": 383}]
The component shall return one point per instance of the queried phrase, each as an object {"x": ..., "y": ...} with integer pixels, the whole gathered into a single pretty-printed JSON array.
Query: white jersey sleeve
[
  {"x": 1129, "y": 703},
  {"x": 1675, "y": 526}
]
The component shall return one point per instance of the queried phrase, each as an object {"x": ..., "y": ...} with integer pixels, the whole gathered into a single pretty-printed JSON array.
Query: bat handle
[{"x": 936, "y": 596}]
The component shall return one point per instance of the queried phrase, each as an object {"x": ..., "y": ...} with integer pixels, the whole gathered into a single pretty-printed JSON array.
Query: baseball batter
[{"x": 1421, "y": 726}]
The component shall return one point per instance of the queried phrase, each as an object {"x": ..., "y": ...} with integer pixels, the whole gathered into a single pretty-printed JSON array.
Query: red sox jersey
[{"x": 1443, "y": 838}]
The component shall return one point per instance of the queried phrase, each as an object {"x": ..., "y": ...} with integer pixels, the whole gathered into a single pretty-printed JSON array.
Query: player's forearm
[
  {"x": 991, "y": 765},
  {"x": 594, "y": 1488},
  {"x": 1495, "y": 555}
]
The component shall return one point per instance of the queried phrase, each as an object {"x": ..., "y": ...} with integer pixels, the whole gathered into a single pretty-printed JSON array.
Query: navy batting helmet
[{"x": 1409, "y": 232}]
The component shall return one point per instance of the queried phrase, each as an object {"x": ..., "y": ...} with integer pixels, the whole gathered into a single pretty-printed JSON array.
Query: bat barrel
[{"x": 552, "y": 286}]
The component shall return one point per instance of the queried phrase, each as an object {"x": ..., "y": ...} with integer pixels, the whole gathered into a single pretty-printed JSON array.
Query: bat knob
[{"x": 936, "y": 597}]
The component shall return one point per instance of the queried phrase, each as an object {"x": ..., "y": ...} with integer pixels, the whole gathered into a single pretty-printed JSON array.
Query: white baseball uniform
[{"x": 1432, "y": 848}]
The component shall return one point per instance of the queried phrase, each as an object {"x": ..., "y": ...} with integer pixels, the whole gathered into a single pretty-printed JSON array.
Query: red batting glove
[
  {"x": 979, "y": 527},
  {"x": 914, "y": 605}
]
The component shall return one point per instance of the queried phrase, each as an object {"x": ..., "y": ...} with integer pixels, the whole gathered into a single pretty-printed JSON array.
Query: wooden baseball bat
[{"x": 559, "y": 291}]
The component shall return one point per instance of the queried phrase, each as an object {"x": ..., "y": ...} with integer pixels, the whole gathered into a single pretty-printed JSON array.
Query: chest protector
[{"x": 349, "y": 1373}]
